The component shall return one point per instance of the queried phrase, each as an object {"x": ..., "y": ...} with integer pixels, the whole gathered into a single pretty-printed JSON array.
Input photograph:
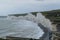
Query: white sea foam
[
  {"x": 21, "y": 28},
  {"x": 44, "y": 21}
]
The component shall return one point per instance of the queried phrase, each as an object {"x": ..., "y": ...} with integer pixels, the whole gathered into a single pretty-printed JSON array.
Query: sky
[{"x": 25, "y": 6}]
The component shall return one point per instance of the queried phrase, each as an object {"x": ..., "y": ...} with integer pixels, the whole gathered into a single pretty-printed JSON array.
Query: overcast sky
[{"x": 21, "y": 6}]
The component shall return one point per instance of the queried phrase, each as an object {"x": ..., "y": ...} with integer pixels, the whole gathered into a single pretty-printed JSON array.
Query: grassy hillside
[{"x": 53, "y": 15}]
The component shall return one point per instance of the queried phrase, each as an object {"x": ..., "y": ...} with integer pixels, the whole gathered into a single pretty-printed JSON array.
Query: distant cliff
[{"x": 3, "y": 16}]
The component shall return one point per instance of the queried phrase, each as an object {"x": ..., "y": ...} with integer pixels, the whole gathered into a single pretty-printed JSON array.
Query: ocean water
[{"x": 19, "y": 28}]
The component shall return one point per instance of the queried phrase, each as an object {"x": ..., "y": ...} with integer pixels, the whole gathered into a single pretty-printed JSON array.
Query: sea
[{"x": 19, "y": 28}]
